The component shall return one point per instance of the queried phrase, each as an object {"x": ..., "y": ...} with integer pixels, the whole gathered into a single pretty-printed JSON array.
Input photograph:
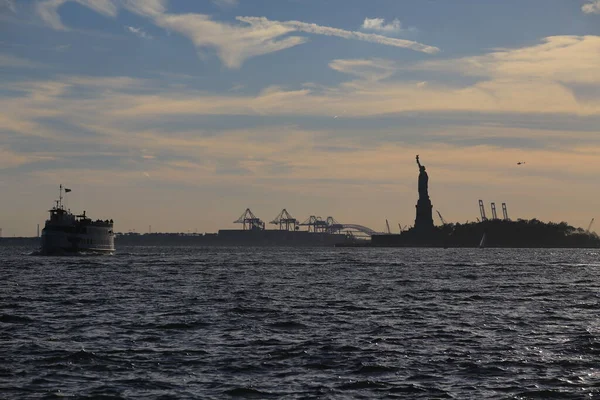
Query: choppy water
[{"x": 301, "y": 323}]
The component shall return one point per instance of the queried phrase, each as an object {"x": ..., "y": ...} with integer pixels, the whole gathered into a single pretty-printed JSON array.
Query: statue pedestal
[{"x": 424, "y": 220}]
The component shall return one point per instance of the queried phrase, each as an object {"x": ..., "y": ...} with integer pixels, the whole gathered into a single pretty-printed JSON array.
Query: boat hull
[{"x": 98, "y": 240}]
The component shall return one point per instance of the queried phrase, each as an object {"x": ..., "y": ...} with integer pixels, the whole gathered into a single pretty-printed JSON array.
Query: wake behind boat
[{"x": 68, "y": 233}]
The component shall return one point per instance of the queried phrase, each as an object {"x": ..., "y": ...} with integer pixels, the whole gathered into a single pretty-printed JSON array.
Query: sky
[{"x": 180, "y": 114}]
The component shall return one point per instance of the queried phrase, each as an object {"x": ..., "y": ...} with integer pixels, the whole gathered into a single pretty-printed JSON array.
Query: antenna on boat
[{"x": 60, "y": 196}]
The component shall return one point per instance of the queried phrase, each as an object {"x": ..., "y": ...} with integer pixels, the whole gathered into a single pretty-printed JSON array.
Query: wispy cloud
[
  {"x": 106, "y": 7},
  {"x": 561, "y": 59},
  {"x": 11, "y": 159},
  {"x": 139, "y": 32},
  {"x": 237, "y": 88},
  {"x": 234, "y": 44},
  {"x": 10, "y": 61},
  {"x": 379, "y": 25},
  {"x": 47, "y": 10},
  {"x": 62, "y": 47},
  {"x": 373, "y": 70},
  {"x": 122, "y": 83},
  {"x": 8, "y": 5},
  {"x": 147, "y": 8},
  {"x": 226, "y": 3},
  {"x": 329, "y": 31},
  {"x": 591, "y": 8}
]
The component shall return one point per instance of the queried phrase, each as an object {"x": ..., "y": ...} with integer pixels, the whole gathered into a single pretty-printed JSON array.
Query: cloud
[
  {"x": 379, "y": 25},
  {"x": 226, "y": 3},
  {"x": 591, "y": 8},
  {"x": 8, "y": 5},
  {"x": 369, "y": 98},
  {"x": 105, "y": 7},
  {"x": 329, "y": 31},
  {"x": 234, "y": 44},
  {"x": 147, "y": 8},
  {"x": 374, "y": 70},
  {"x": 10, "y": 61},
  {"x": 139, "y": 32},
  {"x": 62, "y": 47},
  {"x": 47, "y": 10},
  {"x": 567, "y": 59},
  {"x": 11, "y": 159},
  {"x": 121, "y": 83}
]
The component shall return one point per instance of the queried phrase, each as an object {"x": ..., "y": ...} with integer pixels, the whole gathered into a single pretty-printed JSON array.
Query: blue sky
[{"x": 180, "y": 114}]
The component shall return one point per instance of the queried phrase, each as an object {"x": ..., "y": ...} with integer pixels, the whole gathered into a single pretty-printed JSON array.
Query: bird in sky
[{"x": 521, "y": 163}]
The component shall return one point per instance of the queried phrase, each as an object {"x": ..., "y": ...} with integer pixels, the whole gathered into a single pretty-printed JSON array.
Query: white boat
[{"x": 68, "y": 233}]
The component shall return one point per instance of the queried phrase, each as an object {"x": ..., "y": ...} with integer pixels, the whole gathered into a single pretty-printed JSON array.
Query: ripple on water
[{"x": 14, "y": 319}]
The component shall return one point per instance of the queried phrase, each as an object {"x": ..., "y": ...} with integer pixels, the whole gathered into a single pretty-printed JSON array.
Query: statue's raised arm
[{"x": 418, "y": 163}]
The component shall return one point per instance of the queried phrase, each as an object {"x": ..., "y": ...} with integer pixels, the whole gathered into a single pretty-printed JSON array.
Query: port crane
[
  {"x": 494, "y": 215},
  {"x": 388, "y": 227},
  {"x": 285, "y": 221},
  {"x": 505, "y": 212},
  {"x": 250, "y": 221},
  {"x": 315, "y": 224},
  {"x": 441, "y": 218},
  {"x": 590, "y": 226},
  {"x": 482, "y": 211}
]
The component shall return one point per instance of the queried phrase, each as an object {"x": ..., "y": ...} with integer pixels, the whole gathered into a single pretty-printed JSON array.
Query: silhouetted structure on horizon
[
  {"x": 498, "y": 232},
  {"x": 424, "y": 219}
]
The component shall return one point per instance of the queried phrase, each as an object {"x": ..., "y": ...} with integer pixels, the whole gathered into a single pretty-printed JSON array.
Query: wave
[
  {"x": 375, "y": 369},
  {"x": 287, "y": 326},
  {"x": 249, "y": 392},
  {"x": 14, "y": 319},
  {"x": 77, "y": 357}
]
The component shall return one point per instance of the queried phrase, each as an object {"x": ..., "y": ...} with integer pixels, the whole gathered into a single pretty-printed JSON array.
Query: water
[{"x": 301, "y": 323}]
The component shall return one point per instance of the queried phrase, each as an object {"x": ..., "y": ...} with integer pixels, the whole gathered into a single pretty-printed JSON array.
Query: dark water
[{"x": 301, "y": 323}]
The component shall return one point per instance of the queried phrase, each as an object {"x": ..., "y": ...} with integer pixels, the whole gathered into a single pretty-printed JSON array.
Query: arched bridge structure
[
  {"x": 333, "y": 226},
  {"x": 359, "y": 228}
]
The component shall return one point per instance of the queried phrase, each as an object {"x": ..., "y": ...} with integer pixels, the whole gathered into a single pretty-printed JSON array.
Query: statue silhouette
[
  {"x": 424, "y": 219},
  {"x": 423, "y": 181}
]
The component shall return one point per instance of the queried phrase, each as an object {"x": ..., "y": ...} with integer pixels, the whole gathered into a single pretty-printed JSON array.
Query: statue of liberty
[
  {"x": 423, "y": 181},
  {"x": 424, "y": 220}
]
